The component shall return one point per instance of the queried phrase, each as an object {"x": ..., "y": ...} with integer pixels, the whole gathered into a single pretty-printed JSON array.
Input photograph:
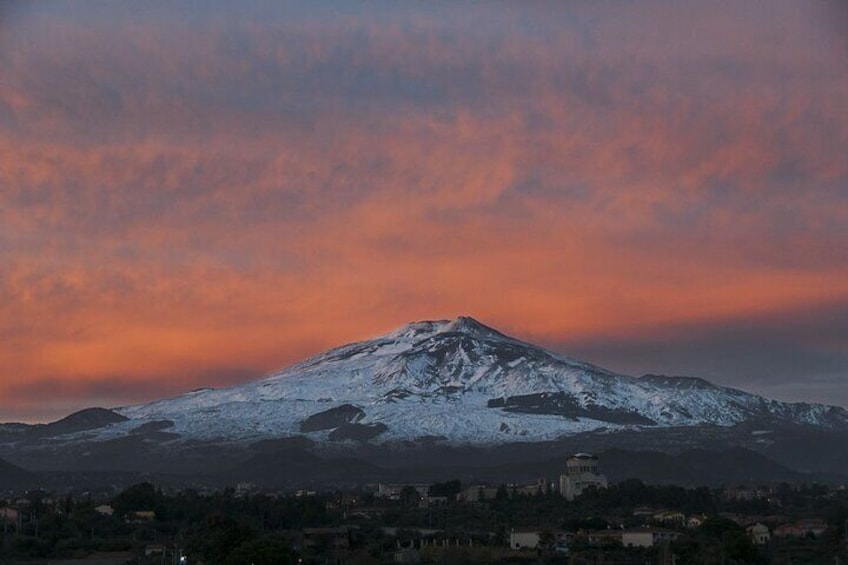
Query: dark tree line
[{"x": 225, "y": 529}]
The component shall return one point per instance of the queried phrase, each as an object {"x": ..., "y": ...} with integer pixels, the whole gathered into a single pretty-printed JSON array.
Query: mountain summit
[{"x": 463, "y": 382}]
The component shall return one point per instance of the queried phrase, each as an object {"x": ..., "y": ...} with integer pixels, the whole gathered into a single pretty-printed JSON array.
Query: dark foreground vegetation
[{"x": 144, "y": 525}]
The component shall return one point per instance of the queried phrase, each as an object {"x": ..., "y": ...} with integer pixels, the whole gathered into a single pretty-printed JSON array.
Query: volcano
[{"x": 463, "y": 382}]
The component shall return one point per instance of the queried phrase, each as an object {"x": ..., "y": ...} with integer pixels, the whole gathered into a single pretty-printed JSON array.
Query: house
[
  {"x": 695, "y": 520},
  {"x": 9, "y": 514},
  {"x": 524, "y": 539},
  {"x": 759, "y": 533},
  {"x": 142, "y": 515},
  {"x": 477, "y": 493},
  {"x": 367, "y": 512},
  {"x": 669, "y": 517},
  {"x": 154, "y": 549},
  {"x": 601, "y": 537},
  {"x": 104, "y": 510},
  {"x": 744, "y": 494},
  {"x": 647, "y": 537},
  {"x": 644, "y": 511},
  {"x": 531, "y": 489},
  {"x": 429, "y": 501},
  {"x": 530, "y": 538},
  {"x": 814, "y": 526},
  {"x": 789, "y": 531},
  {"x": 581, "y": 473}
]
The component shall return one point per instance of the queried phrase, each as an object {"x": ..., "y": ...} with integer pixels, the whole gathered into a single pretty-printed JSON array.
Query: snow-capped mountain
[{"x": 458, "y": 380}]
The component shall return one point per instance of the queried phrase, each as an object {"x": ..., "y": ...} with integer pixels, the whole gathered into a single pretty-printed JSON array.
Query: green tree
[
  {"x": 266, "y": 551},
  {"x": 138, "y": 497},
  {"x": 409, "y": 496},
  {"x": 738, "y": 546},
  {"x": 448, "y": 489},
  {"x": 216, "y": 538},
  {"x": 547, "y": 539}
]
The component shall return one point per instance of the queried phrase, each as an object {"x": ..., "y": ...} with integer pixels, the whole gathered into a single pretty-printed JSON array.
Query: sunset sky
[{"x": 197, "y": 193}]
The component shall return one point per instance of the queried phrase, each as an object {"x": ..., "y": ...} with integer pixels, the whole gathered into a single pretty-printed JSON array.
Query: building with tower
[{"x": 581, "y": 472}]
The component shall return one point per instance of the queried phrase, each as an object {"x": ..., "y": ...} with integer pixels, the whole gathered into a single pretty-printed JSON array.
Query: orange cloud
[{"x": 212, "y": 198}]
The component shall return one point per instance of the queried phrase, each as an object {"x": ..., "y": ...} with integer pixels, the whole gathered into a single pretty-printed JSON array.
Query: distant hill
[
  {"x": 88, "y": 419},
  {"x": 12, "y": 476},
  {"x": 697, "y": 467}
]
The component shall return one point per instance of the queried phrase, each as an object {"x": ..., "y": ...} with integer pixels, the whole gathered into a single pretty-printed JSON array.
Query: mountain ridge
[
  {"x": 467, "y": 383},
  {"x": 459, "y": 381},
  {"x": 448, "y": 396}
]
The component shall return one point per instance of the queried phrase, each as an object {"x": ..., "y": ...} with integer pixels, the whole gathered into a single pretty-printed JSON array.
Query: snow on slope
[{"x": 441, "y": 378}]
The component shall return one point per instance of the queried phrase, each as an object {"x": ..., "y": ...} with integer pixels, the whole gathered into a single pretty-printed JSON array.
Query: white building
[
  {"x": 530, "y": 538},
  {"x": 759, "y": 533},
  {"x": 104, "y": 510},
  {"x": 647, "y": 537},
  {"x": 524, "y": 539},
  {"x": 581, "y": 472},
  {"x": 477, "y": 493}
]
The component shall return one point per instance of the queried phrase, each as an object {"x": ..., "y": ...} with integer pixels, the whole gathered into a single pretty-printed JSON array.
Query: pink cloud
[{"x": 215, "y": 192}]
